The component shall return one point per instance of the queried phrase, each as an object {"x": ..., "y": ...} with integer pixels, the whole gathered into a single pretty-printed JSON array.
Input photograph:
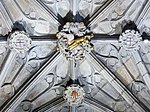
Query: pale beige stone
[
  {"x": 123, "y": 74},
  {"x": 130, "y": 64}
]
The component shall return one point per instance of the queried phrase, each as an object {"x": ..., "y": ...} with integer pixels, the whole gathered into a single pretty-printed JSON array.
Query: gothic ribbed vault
[{"x": 115, "y": 75}]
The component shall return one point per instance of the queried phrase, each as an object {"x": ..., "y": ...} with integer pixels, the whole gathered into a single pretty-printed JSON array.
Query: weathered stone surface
[
  {"x": 6, "y": 92},
  {"x": 42, "y": 27},
  {"x": 85, "y": 69},
  {"x": 49, "y": 95},
  {"x": 39, "y": 88},
  {"x": 120, "y": 106},
  {"x": 84, "y": 8},
  {"x": 60, "y": 71},
  {"x": 3, "y": 53},
  {"x": 15, "y": 12},
  {"x": 40, "y": 17},
  {"x": 146, "y": 78},
  {"x": 4, "y": 27},
  {"x": 144, "y": 25},
  {"x": 14, "y": 71},
  {"x": 123, "y": 74},
  {"x": 136, "y": 57},
  {"x": 119, "y": 89},
  {"x": 100, "y": 80},
  {"x": 140, "y": 90},
  {"x": 18, "y": 81},
  {"x": 108, "y": 88},
  {"x": 110, "y": 21},
  {"x": 130, "y": 64},
  {"x": 128, "y": 98},
  {"x": 142, "y": 68},
  {"x": 102, "y": 97},
  {"x": 63, "y": 7}
]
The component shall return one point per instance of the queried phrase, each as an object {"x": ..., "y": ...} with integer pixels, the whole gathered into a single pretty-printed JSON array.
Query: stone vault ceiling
[{"x": 115, "y": 75}]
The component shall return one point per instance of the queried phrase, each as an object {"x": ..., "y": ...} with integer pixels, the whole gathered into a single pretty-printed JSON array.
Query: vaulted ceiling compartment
[{"x": 74, "y": 56}]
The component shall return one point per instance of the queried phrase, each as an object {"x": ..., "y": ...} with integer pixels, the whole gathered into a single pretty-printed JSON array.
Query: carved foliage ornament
[
  {"x": 74, "y": 41},
  {"x": 130, "y": 39},
  {"x": 74, "y": 95},
  {"x": 19, "y": 41}
]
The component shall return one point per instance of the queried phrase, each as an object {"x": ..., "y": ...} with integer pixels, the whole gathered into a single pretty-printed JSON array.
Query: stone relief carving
[
  {"x": 96, "y": 86},
  {"x": 25, "y": 106},
  {"x": 119, "y": 61},
  {"x": 5, "y": 27},
  {"x": 6, "y": 92},
  {"x": 42, "y": 93},
  {"x": 122, "y": 106},
  {"x": 61, "y": 7},
  {"x": 3, "y": 53},
  {"x": 114, "y": 98},
  {"x": 39, "y": 27},
  {"x": 109, "y": 54},
  {"x": 140, "y": 89},
  {"x": 112, "y": 21},
  {"x": 50, "y": 86},
  {"x": 85, "y": 7},
  {"x": 19, "y": 41},
  {"x": 36, "y": 56},
  {"x": 143, "y": 19},
  {"x": 130, "y": 39},
  {"x": 42, "y": 90},
  {"x": 145, "y": 27},
  {"x": 25, "y": 66},
  {"x": 74, "y": 95},
  {"x": 131, "y": 59},
  {"x": 144, "y": 54},
  {"x": 88, "y": 7},
  {"x": 19, "y": 63},
  {"x": 122, "y": 58},
  {"x": 102, "y": 84},
  {"x": 77, "y": 43},
  {"x": 36, "y": 23}
]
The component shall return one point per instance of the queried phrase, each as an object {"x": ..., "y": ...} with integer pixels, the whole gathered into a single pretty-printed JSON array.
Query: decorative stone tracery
[
  {"x": 73, "y": 38},
  {"x": 130, "y": 39},
  {"x": 74, "y": 95},
  {"x": 19, "y": 41}
]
